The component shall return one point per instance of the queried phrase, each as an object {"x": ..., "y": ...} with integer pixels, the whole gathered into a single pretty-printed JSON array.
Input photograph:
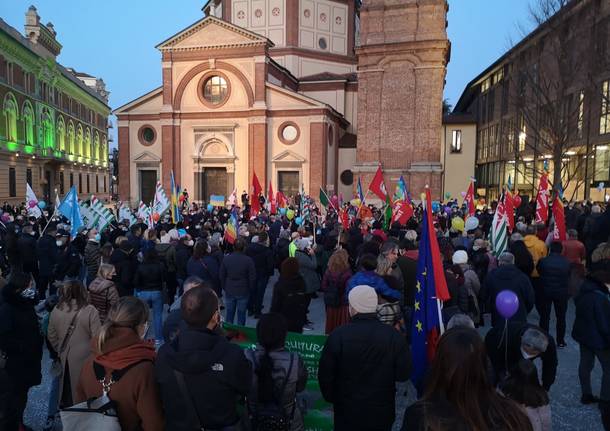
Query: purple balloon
[{"x": 507, "y": 303}]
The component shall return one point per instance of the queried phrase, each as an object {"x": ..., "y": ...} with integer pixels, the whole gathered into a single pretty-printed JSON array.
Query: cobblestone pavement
[{"x": 568, "y": 413}]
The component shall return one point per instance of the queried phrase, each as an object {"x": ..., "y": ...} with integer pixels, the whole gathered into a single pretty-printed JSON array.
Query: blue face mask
[{"x": 98, "y": 237}]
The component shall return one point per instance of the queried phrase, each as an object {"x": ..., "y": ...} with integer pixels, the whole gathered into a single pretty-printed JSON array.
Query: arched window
[
  {"x": 71, "y": 140},
  {"x": 87, "y": 144},
  {"x": 79, "y": 141},
  {"x": 28, "y": 124},
  {"x": 104, "y": 150},
  {"x": 48, "y": 134},
  {"x": 96, "y": 147},
  {"x": 10, "y": 115},
  {"x": 61, "y": 134}
]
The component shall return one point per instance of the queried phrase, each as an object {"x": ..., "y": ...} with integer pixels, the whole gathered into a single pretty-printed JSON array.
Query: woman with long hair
[
  {"x": 458, "y": 394},
  {"x": 334, "y": 284},
  {"x": 72, "y": 325},
  {"x": 103, "y": 293},
  {"x": 278, "y": 375},
  {"x": 523, "y": 387},
  {"x": 120, "y": 351},
  {"x": 289, "y": 296}
]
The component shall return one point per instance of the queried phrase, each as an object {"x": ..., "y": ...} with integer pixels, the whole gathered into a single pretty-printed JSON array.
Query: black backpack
[
  {"x": 271, "y": 416},
  {"x": 332, "y": 296}
]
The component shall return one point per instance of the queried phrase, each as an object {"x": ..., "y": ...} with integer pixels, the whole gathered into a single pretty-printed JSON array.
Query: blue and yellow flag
[
  {"x": 360, "y": 192},
  {"x": 174, "y": 197}
]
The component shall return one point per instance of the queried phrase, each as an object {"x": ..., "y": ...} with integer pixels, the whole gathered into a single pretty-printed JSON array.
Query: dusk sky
[{"x": 116, "y": 39}]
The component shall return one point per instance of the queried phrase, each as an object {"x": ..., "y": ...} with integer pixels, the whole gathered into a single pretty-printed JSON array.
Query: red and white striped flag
[{"x": 542, "y": 200}]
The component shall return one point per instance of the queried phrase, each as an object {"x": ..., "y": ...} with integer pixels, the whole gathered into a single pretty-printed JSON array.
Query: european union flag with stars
[{"x": 431, "y": 284}]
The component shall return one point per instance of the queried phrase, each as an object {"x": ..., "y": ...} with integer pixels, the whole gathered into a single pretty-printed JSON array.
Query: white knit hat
[
  {"x": 363, "y": 299},
  {"x": 460, "y": 257}
]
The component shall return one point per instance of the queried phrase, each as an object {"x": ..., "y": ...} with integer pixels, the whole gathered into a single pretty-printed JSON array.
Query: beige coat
[{"x": 78, "y": 347}]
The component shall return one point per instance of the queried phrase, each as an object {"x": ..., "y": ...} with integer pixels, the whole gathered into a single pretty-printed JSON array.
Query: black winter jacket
[
  {"x": 508, "y": 277},
  {"x": 183, "y": 254},
  {"x": 48, "y": 253},
  {"x": 125, "y": 265},
  {"x": 554, "y": 273},
  {"x": 26, "y": 245},
  {"x": 217, "y": 376},
  {"x": 523, "y": 258},
  {"x": 237, "y": 274},
  {"x": 592, "y": 322},
  {"x": 359, "y": 367},
  {"x": 149, "y": 276},
  {"x": 263, "y": 259},
  {"x": 290, "y": 300}
]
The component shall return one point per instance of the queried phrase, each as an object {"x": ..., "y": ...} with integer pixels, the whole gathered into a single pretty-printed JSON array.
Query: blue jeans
[
  {"x": 54, "y": 398},
  {"x": 154, "y": 299},
  {"x": 258, "y": 295},
  {"x": 233, "y": 303}
]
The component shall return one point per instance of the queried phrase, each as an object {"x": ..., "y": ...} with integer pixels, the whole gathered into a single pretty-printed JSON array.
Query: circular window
[
  {"x": 347, "y": 177},
  {"x": 147, "y": 135},
  {"x": 322, "y": 43},
  {"x": 289, "y": 133},
  {"x": 215, "y": 89}
]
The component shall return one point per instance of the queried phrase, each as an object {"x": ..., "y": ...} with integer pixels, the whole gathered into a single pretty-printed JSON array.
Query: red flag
[
  {"x": 402, "y": 211},
  {"x": 559, "y": 232},
  {"x": 282, "y": 202},
  {"x": 542, "y": 200},
  {"x": 344, "y": 218},
  {"x": 440, "y": 282},
  {"x": 255, "y": 205},
  {"x": 377, "y": 186},
  {"x": 509, "y": 205},
  {"x": 272, "y": 202},
  {"x": 469, "y": 199}
]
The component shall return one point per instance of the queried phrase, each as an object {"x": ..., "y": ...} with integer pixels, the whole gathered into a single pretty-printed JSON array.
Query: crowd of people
[{"x": 136, "y": 313}]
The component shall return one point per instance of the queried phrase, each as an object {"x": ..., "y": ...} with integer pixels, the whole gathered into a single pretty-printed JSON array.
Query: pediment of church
[
  {"x": 211, "y": 32},
  {"x": 147, "y": 157},
  {"x": 288, "y": 156}
]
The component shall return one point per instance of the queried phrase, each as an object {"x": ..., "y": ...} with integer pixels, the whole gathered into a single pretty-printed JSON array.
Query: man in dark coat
[
  {"x": 26, "y": 246},
  {"x": 215, "y": 373},
  {"x": 238, "y": 279},
  {"x": 125, "y": 264},
  {"x": 507, "y": 277},
  {"x": 48, "y": 253},
  {"x": 360, "y": 365},
  {"x": 592, "y": 332},
  {"x": 262, "y": 256},
  {"x": 554, "y": 273},
  {"x": 521, "y": 341},
  {"x": 21, "y": 342},
  {"x": 275, "y": 226}
]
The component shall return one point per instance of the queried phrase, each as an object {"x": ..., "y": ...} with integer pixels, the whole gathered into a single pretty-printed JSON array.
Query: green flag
[
  {"x": 387, "y": 213},
  {"x": 323, "y": 198}
]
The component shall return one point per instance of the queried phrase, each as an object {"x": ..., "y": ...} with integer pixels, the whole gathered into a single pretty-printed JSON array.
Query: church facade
[{"x": 272, "y": 87}]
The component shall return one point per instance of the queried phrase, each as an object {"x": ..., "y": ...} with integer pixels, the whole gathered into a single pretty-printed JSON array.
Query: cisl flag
[
  {"x": 469, "y": 199},
  {"x": 542, "y": 200},
  {"x": 377, "y": 186},
  {"x": 559, "y": 232}
]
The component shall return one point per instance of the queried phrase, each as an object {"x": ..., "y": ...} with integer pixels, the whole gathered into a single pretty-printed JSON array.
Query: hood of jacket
[
  {"x": 99, "y": 285},
  {"x": 122, "y": 348},
  {"x": 194, "y": 351},
  {"x": 507, "y": 272},
  {"x": 531, "y": 241},
  {"x": 257, "y": 248}
]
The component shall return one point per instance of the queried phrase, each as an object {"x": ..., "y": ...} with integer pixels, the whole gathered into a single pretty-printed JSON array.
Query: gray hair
[
  {"x": 596, "y": 209},
  {"x": 384, "y": 266},
  {"x": 411, "y": 235},
  {"x": 460, "y": 320},
  {"x": 535, "y": 339},
  {"x": 506, "y": 258},
  {"x": 387, "y": 247},
  {"x": 531, "y": 230},
  {"x": 191, "y": 282},
  {"x": 516, "y": 237}
]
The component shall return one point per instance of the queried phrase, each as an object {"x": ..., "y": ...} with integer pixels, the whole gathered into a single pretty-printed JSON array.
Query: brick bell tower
[{"x": 402, "y": 54}]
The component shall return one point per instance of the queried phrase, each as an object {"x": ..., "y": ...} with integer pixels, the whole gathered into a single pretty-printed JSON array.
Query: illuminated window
[
  {"x": 456, "y": 141},
  {"x": 61, "y": 135},
  {"x": 522, "y": 134},
  {"x": 10, "y": 114},
  {"x": 215, "y": 89},
  {"x": 581, "y": 113},
  {"x": 28, "y": 125},
  {"x": 604, "y": 118},
  {"x": 602, "y": 163}
]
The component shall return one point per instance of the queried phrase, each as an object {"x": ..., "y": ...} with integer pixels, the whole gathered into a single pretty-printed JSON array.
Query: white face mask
[
  {"x": 527, "y": 355},
  {"x": 32, "y": 233},
  {"x": 59, "y": 243},
  {"x": 189, "y": 243}
]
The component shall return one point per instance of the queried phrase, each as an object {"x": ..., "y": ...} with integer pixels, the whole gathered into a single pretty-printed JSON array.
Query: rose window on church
[
  {"x": 215, "y": 89},
  {"x": 276, "y": 11},
  {"x": 323, "y": 17},
  {"x": 289, "y": 133},
  {"x": 241, "y": 14},
  {"x": 307, "y": 13},
  {"x": 258, "y": 13},
  {"x": 338, "y": 20}
]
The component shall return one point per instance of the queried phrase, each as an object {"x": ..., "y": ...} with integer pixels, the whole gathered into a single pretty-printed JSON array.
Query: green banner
[{"x": 319, "y": 414}]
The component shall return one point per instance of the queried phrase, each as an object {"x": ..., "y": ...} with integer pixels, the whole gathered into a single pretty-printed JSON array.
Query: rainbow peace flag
[{"x": 231, "y": 229}]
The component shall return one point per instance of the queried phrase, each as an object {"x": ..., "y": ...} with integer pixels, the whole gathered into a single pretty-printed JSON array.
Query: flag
[
  {"x": 499, "y": 229},
  {"x": 174, "y": 193},
  {"x": 102, "y": 216},
  {"x": 324, "y": 201},
  {"x": 344, "y": 218},
  {"x": 359, "y": 192},
  {"x": 282, "y": 201},
  {"x": 271, "y": 199},
  {"x": 233, "y": 198},
  {"x": 142, "y": 211},
  {"x": 431, "y": 288},
  {"x": 469, "y": 199},
  {"x": 231, "y": 229},
  {"x": 70, "y": 209},
  {"x": 387, "y": 213},
  {"x": 559, "y": 232},
  {"x": 126, "y": 214},
  {"x": 509, "y": 206},
  {"x": 377, "y": 186},
  {"x": 161, "y": 202},
  {"x": 57, "y": 200},
  {"x": 255, "y": 205},
  {"x": 32, "y": 202},
  {"x": 542, "y": 200},
  {"x": 402, "y": 211},
  {"x": 401, "y": 189}
]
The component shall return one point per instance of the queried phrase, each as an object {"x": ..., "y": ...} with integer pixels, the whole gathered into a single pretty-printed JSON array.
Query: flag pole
[
  {"x": 362, "y": 203},
  {"x": 328, "y": 199}
]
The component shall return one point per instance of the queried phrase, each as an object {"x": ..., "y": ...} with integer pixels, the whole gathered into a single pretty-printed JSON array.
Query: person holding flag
[{"x": 469, "y": 199}]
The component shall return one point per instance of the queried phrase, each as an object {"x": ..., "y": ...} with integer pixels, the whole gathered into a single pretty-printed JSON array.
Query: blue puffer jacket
[
  {"x": 592, "y": 323},
  {"x": 370, "y": 278},
  {"x": 554, "y": 273}
]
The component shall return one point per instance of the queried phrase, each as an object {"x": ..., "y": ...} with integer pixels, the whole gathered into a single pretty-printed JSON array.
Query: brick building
[
  {"x": 276, "y": 87},
  {"x": 53, "y": 120},
  {"x": 544, "y": 103}
]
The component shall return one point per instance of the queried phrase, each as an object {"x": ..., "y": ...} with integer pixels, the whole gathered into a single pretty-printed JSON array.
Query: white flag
[{"x": 32, "y": 202}]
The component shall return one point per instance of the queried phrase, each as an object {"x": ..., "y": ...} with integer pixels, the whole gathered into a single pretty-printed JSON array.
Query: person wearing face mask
[
  {"x": 92, "y": 254},
  {"x": 120, "y": 349},
  {"x": 592, "y": 332},
  {"x": 48, "y": 253},
  {"x": 26, "y": 246},
  {"x": 507, "y": 346},
  {"x": 202, "y": 364},
  {"x": 20, "y": 347}
]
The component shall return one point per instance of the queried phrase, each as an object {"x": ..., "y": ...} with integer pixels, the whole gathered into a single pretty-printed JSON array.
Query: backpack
[
  {"x": 332, "y": 296},
  {"x": 271, "y": 416}
]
